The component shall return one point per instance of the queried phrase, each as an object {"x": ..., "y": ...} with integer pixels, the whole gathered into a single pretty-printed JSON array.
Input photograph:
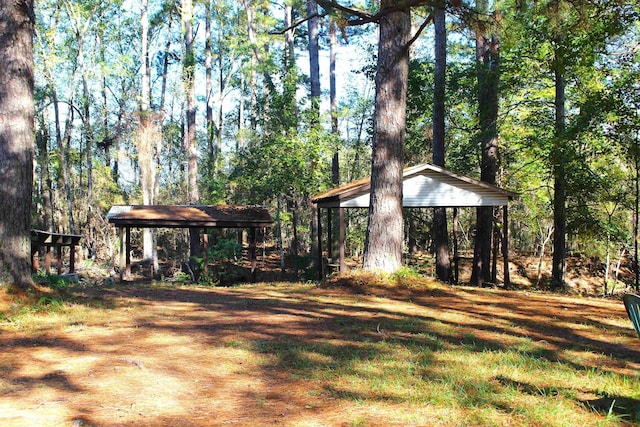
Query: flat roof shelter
[
  {"x": 424, "y": 186},
  {"x": 193, "y": 217}
]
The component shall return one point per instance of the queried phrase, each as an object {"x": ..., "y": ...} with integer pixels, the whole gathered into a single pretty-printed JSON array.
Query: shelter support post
[
  {"x": 252, "y": 252},
  {"x": 59, "y": 259},
  {"x": 341, "y": 237},
  {"x": 330, "y": 235},
  {"x": 456, "y": 255},
  {"x": 320, "y": 259},
  {"x": 205, "y": 252},
  {"x": 121, "y": 261},
  {"x": 47, "y": 259},
  {"x": 505, "y": 246},
  {"x": 127, "y": 252},
  {"x": 72, "y": 259},
  {"x": 194, "y": 246}
]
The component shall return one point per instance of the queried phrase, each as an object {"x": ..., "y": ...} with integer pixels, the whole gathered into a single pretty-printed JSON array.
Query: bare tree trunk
[
  {"x": 314, "y": 61},
  {"x": 384, "y": 238},
  {"x": 440, "y": 233},
  {"x": 559, "y": 184},
  {"x": 16, "y": 140},
  {"x": 189, "y": 83},
  {"x": 146, "y": 135},
  {"x": 487, "y": 60},
  {"x": 333, "y": 99},
  {"x": 208, "y": 73}
]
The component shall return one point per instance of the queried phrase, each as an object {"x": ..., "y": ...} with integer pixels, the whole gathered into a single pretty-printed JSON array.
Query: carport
[
  {"x": 424, "y": 186},
  {"x": 194, "y": 217}
]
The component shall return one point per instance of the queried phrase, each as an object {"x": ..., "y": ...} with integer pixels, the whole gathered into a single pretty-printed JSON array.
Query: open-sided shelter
[
  {"x": 193, "y": 217},
  {"x": 424, "y": 186}
]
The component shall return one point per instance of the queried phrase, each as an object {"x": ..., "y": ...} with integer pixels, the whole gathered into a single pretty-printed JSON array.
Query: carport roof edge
[
  {"x": 338, "y": 195},
  {"x": 188, "y": 216}
]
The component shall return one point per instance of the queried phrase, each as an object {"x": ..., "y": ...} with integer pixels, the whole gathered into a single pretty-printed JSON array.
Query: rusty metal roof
[{"x": 185, "y": 216}]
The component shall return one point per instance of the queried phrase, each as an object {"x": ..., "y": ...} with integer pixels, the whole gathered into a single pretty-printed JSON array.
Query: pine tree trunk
[
  {"x": 384, "y": 238},
  {"x": 559, "y": 184},
  {"x": 440, "y": 233},
  {"x": 189, "y": 84},
  {"x": 16, "y": 140},
  {"x": 314, "y": 58},
  {"x": 488, "y": 74},
  {"x": 333, "y": 99}
]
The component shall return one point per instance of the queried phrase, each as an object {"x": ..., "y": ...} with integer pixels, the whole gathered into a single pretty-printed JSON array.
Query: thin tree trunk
[
  {"x": 314, "y": 61},
  {"x": 384, "y": 237},
  {"x": 189, "y": 83},
  {"x": 559, "y": 183},
  {"x": 440, "y": 233},
  {"x": 208, "y": 72},
  {"x": 333, "y": 99}
]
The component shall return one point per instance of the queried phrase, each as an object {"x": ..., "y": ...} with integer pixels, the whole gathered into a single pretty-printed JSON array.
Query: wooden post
[
  {"x": 127, "y": 252},
  {"x": 456, "y": 255},
  {"x": 194, "y": 249},
  {"x": 47, "y": 259},
  {"x": 252, "y": 252},
  {"x": 59, "y": 258},
  {"x": 341, "y": 238},
  {"x": 72, "y": 258},
  {"x": 205, "y": 255},
  {"x": 505, "y": 247},
  {"x": 320, "y": 260},
  {"x": 329, "y": 235}
]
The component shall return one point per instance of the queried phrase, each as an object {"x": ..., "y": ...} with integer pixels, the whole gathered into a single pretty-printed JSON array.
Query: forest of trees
[{"x": 259, "y": 102}]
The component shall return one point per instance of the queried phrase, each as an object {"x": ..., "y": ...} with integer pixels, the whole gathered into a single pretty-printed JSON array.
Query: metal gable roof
[
  {"x": 182, "y": 216},
  {"x": 425, "y": 185}
]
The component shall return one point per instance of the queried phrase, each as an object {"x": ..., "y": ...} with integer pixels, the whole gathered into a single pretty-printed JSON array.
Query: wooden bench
[{"x": 40, "y": 239}]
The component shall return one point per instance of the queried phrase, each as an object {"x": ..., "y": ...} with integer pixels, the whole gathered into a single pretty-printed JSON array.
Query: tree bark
[
  {"x": 333, "y": 99},
  {"x": 189, "y": 84},
  {"x": 559, "y": 182},
  {"x": 208, "y": 68},
  {"x": 384, "y": 238},
  {"x": 17, "y": 21},
  {"x": 314, "y": 58},
  {"x": 487, "y": 60},
  {"x": 146, "y": 135},
  {"x": 440, "y": 233}
]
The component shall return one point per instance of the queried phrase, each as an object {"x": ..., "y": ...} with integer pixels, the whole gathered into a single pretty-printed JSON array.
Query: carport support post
[
  {"x": 320, "y": 260},
  {"x": 194, "y": 248},
  {"x": 505, "y": 246},
  {"x": 205, "y": 255},
  {"x": 341, "y": 237},
  {"x": 252, "y": 252},
  {"x": 330, "y": 236},
  {"x": 127, "y": 253}
]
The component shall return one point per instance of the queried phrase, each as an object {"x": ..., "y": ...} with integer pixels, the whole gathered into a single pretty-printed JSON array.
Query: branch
[
  {"x": 427, "y": 21},
  {"x": 330, "y": 4},
  {"x": 297, "y": 24}
]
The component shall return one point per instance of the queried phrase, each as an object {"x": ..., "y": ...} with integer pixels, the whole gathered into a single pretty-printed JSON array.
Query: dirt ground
[{"x": 178, "y": 356}]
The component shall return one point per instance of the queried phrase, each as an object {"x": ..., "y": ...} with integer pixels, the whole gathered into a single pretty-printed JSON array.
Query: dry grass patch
[{"x": 356, "y": 351}]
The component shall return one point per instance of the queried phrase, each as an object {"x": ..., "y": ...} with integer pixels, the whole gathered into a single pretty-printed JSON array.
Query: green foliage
[{"x": 225, "y": 250}]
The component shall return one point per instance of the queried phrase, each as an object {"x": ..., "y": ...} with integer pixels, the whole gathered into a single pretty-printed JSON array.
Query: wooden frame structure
[
  {"x": 424, "y": 186},
  {"x": 193, "y": 217},
  {"x": 45, "y": 239}
]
